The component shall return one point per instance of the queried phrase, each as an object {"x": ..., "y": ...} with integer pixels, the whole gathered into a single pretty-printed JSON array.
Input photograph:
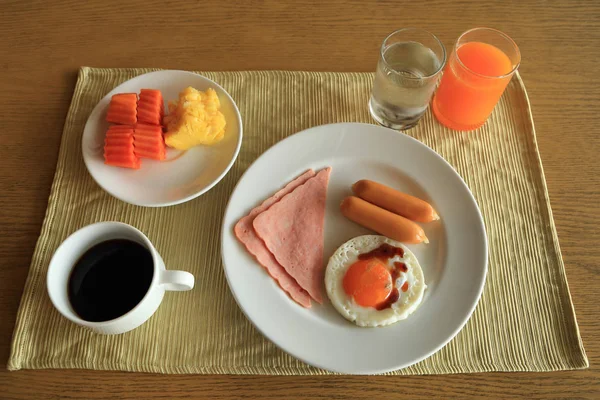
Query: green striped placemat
[{"x": 524, "y": 322}]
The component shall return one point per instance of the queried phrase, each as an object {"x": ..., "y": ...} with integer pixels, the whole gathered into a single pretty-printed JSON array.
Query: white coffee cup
[{"x": 69, "y": 252}]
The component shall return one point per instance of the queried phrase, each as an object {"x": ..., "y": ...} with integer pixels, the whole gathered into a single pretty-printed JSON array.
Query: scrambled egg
[{"x": 195, "y": 119}]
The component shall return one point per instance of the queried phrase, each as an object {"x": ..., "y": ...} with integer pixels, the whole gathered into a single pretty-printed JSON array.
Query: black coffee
[{"x": 110, "y": 279}]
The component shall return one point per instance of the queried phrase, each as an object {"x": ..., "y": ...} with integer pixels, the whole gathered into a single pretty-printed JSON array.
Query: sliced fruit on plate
[
  {"x": 146, "y": 139},
  {"x": 131, "y": 161},
  {"x": 122, "y": 142},
  {"x": 118, "y": 133},
  {"x": 150, "y": 108},
  {"x": 118, "y": 147},
  {"x": 113, "y": 132},
  {"x": 149, "y": 142},
  {"x": 125, "y": 141},
  {"x": 111, "y": 151},
  {"x": 115, "y": 149},
  {"x": 121, "y": 158},
  {"x": 148, "y": 130},
  {"x": 152, "y": 153},
  {"x": 120, "y": 128},
  {"x": 122, "y": 109},
  {"x": 153, "y": 96}
]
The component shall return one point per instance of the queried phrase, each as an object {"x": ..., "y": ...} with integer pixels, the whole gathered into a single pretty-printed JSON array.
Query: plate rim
[
  {"x": 461, "y": 325},
  {"x": 208, "y": 187}
]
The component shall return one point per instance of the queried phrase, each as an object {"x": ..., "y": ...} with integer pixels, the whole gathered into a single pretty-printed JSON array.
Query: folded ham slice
[
  {"x": 245, "y": 233},
  {"x": 292, "y": 229}
]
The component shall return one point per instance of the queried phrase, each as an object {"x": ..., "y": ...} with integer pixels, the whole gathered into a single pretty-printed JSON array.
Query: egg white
[{"x": 346, "y": 255}]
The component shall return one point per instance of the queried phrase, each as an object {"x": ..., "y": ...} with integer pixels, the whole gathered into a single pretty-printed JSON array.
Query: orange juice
[{"x": 472, "y": 84}]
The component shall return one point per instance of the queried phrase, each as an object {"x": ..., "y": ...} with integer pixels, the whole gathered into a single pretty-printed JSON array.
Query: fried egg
[{"x": 374, "y": 281}]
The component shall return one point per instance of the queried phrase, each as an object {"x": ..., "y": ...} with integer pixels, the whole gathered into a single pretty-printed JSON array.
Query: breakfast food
[
  {"x": 397, "y": 202},
  {"x": 148, "y": 142},
  {"x": 150, "y": 107},
  {"x": 373, "y": 281},
  {"x": 118, "y": 147},
  {"x": 194, "y": 119},
  {"x": 293, "y": 228},
  {"x": 138, "y": 133},
  {"x": 285, "y": 235},
  {"x": 382, "y": 221},
  {"x": 246, "y": 234},
  {"x": 122, "y": 109}
]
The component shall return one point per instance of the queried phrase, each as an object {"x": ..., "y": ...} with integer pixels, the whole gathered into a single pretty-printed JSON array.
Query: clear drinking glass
[{"x": 410, "y": 64}]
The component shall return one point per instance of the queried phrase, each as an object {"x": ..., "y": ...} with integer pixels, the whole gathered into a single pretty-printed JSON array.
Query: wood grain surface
[{"x": 45, "y": 42}]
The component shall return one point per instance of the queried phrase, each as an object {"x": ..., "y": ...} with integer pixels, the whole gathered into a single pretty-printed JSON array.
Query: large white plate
[
  {"x": 184, "y": 175},
  {"x": 454, "y": 262}
]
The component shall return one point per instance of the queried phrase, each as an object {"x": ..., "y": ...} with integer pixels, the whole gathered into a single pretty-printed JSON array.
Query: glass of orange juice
[{"x": 480, "y": 66}]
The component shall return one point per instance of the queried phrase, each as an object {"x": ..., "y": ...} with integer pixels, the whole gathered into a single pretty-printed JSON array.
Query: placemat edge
[
  {"x": 582, "y": 361},
  {"x": 20, "y": 332}
]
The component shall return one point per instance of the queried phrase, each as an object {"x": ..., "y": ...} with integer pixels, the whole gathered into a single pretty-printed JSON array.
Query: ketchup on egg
[{"x": 369, "y": 280}]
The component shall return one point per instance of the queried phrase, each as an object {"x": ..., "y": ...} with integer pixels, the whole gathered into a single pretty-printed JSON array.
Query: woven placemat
[{"x": 525, "y": 320}]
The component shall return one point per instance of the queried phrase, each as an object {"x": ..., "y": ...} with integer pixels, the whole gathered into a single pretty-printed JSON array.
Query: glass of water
[{"x": 410, "y": 64}]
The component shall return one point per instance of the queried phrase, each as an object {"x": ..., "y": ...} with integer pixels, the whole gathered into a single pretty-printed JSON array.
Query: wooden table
[{"x": 44, "y": 43}]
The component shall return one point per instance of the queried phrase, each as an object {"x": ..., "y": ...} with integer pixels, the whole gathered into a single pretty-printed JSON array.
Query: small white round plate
[
  {"x": 183, "y": 175},
  {"x": 454, "y": 262}
]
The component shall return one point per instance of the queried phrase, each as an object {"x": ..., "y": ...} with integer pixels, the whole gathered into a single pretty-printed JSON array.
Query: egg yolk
[{"x": 369, "y": 282}]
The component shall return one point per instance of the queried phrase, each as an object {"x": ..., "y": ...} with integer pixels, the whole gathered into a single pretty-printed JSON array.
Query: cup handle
[{"x": 176, "y": 280}]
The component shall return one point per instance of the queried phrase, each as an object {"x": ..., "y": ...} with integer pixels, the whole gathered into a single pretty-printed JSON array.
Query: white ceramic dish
[
  {"x": 184, "y": 175},
  {"x": 454, "y": 262}
]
